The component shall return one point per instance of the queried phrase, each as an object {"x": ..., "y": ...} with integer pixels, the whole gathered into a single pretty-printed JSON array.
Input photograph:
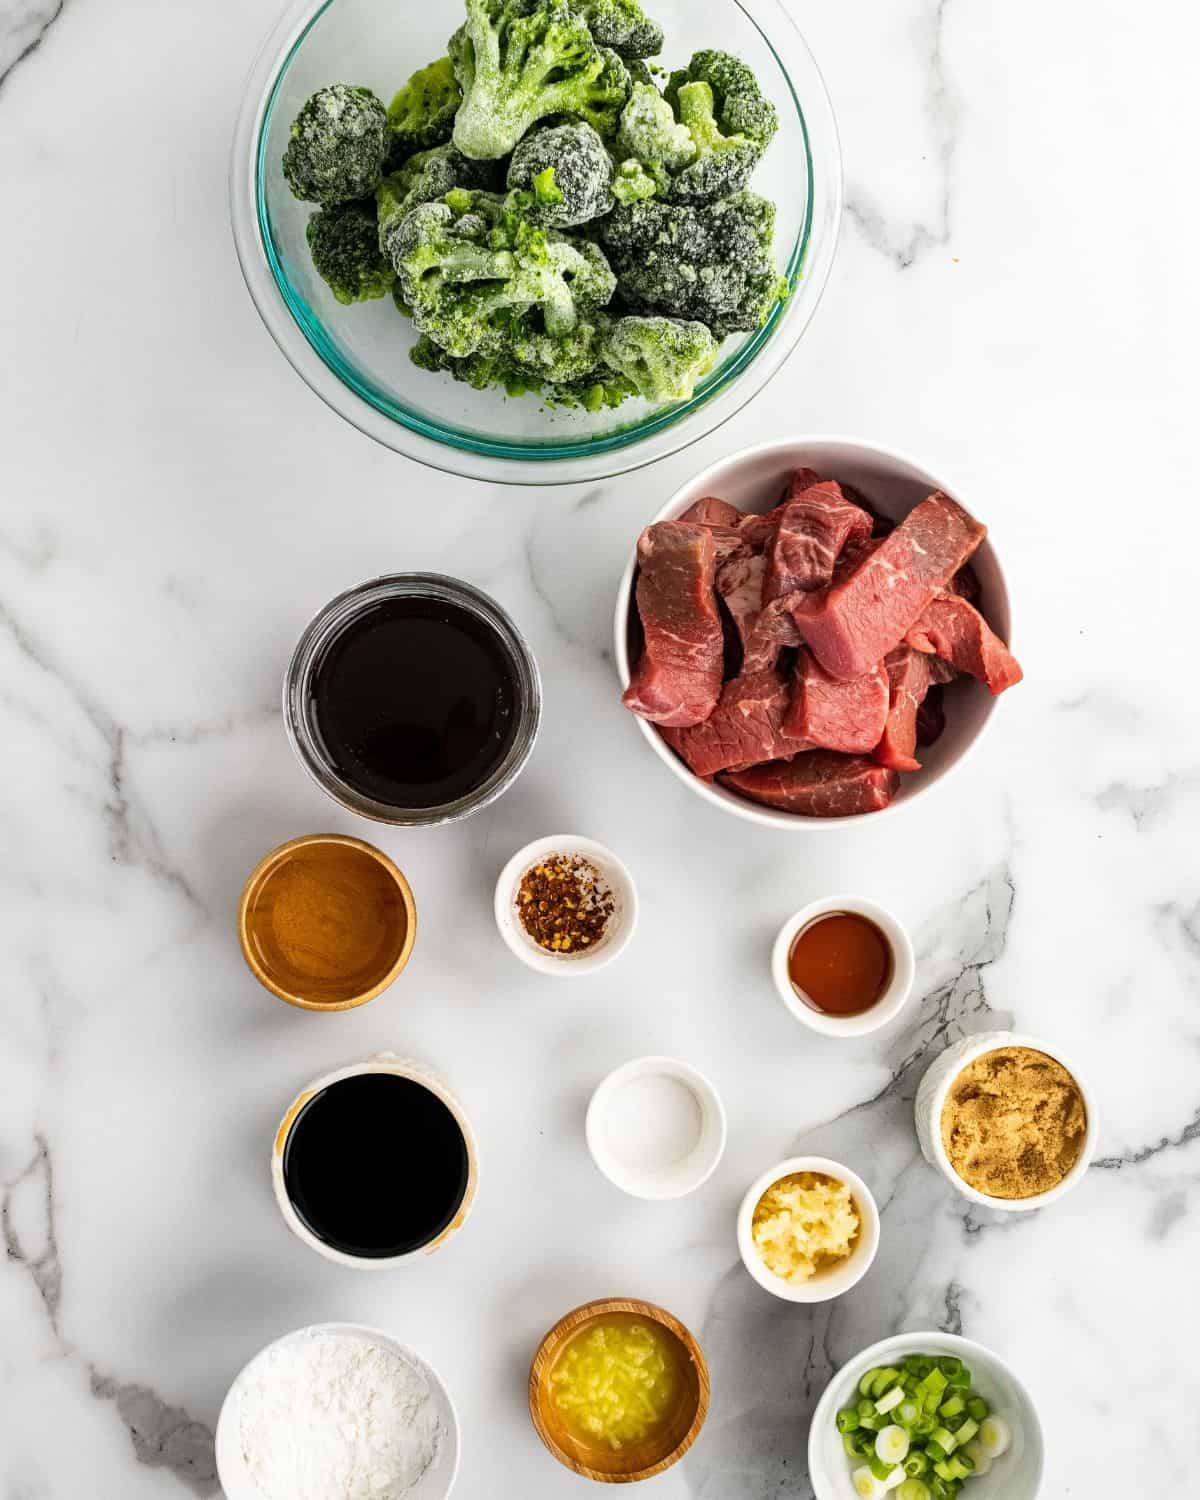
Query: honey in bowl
[{"x": 840, "y": 964}]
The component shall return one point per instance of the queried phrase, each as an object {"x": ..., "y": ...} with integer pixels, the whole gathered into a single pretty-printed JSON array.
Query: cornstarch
[{"x": 333, "y": 1417}]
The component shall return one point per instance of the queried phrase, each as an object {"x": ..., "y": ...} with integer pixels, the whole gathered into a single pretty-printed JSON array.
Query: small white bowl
[
  {"x": 890, "y": 1003},
  {"x": 1016, "y": 1476},
  {"x": 931, "y": 1099},
  {"x": 678, "y": 1167},
  {"x": 834, "y": 1280},
  {"x": 237, "y": 1483},
  {"x": 753, "y": 480},
  {"x": 382, "y": 1062},
  {"x": 621, "y": 924}
]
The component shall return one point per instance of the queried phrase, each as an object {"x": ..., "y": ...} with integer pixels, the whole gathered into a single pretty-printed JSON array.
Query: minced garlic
[{"x": 804, "y": 1223}]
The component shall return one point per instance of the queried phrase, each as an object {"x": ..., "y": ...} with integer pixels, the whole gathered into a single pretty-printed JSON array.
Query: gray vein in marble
[
  {"x": 904, "y": 246},
  {"x": 559, "y": 621},
  {"x": 40, "y": 1260},
  {"x": 1144, "y": 804},
  {"x": 589, "y": 498},
  {"x": 952, "y": 1315},
  {"x": 35, "y": 555},
  {"x": 1139, "y": 1156},
  {"x": 23, "y": 27},
  {"x": 163, "y": 1436},
  {"x": 132, "y": 838}
]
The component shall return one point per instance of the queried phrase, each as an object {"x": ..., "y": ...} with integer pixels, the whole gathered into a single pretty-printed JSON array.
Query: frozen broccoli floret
[
  {"x": 343, "y": 239},
  {"x": 424, "y": 178},
  {"x": 624, "y": 26},
  {"x": 632, "y": 182},
  {"x": 566, "y": 173},
  {"x": 740, "y": 105},
  {"x": 600, "y": 388},
  {"x": 339, "y": 143},
  {"x": 468, "y": 268},
  {"x": 421, "y": 115},
  {"x": 709, "y": 263},
  {"x": 543, "y": 359},
  {"x": 518, "y": 61},
  {"x": 731, "y": 123},
  {"x": 650, "y": 133},
  {"x": 661, "y": 358},
  {"x": 492, "y": 367}
]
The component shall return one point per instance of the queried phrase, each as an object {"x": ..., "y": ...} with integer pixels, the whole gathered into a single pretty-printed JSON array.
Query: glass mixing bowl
[{"x": 356, "y": 358}]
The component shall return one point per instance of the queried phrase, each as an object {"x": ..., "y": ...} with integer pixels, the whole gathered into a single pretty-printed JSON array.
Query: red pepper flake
[{"x": 564, "y": 904}]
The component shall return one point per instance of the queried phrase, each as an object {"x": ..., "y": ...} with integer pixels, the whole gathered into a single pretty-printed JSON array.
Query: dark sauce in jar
[
  {"x": 416, "y": 702},
  {"x": 840, "y": 964},
  {"x": 376, "y": 1165}
]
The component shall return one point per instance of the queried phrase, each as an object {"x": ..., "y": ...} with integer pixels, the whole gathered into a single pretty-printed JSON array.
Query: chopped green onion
[
  {"x": 949, "y": 1365},
  {"x": 847, "y": 1419},
  {"x": 977, "y": 1407},
  {"x": 994, "y": 1436},
  {"x": 944, "y": 1439},
  {"x": 974, "y": 1451},
  {"x": 913, "y": 1489},
  {"x": 878, "y": 1466},
  {"x": 864, "y": 1385},
  {"x": 961, "y": 1379},
  {"x": 866, "y": 1484},
  {"x": 908, "y": 1414},
  {"x": 965, "y": 1432},
  {"x": 918, "y": 1365},
  {"x": 952, "y": 1407},
  {"x": 883, "y": 1381},
  {"x": 943, "y": 1470},
  {"x": 916, "y": 1463},
  {"x": 892, "y": 1445},
  {"x": 936, "y": 1451},
  {"x": 889, "y": 1401}
]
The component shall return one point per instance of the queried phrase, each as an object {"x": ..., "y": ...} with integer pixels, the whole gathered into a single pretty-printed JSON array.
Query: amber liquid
[
  {"x": 840, "y": 964},
  {"x": 416, "y": 702}
]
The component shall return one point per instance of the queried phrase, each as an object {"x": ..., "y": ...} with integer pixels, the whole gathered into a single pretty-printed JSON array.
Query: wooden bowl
[
  {"x": 326, "y": 922},
  {"x": 638, "y": 1460}
]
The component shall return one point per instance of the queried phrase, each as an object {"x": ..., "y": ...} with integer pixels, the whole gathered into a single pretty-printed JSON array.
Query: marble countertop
[{"x": 1015, "y": 301}]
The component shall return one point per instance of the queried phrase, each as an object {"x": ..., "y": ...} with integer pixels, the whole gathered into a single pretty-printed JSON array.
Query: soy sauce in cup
[{"x": 374, "y": 1164}]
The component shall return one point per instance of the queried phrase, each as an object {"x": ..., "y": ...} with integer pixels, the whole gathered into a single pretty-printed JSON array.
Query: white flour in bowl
[{"x": 330, "y": 1416}]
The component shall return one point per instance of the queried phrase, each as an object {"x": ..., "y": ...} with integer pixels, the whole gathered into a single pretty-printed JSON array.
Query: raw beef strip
[
  {"x": 846, "y": 716},
  {"x": 955, "y": 630},
  {"x": 713, "y": 512},
  {"x": 931, "y": 717},
  {"x": 862, "y": 616},
  {"x": 821, "y": 784},
  {"x": 678, "y": 679},
  {"x": 723, "y": 521},
  {"x": 746, "y": 727},
  {"x": 908, "y": 680},
  {"x": 815, "y": 524},
  {"x": 740, "y": 584}
]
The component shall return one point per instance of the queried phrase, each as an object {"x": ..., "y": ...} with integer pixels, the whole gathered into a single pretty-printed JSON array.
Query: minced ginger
[
  {"x": 803, "y": 1224},
  {"x": 618, "y": 1381}
]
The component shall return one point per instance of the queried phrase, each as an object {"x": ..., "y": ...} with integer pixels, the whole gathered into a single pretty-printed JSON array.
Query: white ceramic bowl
[
  {"x": 237, "y": 1483},
  {"x": 646, "y": 1177},
  {"x": 931, "y": 1098},
  {"x": 382, "y": 1062},
  {"x": 753, "y": 480},
  {"x": 890, "y": 1003},
  {"x": 834, "y": 1280},
  {"x": 621, "y": 924},
  {"x": 1015, "y": 1476}
]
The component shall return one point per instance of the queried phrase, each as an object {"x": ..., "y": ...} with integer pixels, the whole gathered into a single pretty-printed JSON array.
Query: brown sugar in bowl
[
  {"x": 636, "y": 1461},
  {"x": 326, "y": 922}
]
